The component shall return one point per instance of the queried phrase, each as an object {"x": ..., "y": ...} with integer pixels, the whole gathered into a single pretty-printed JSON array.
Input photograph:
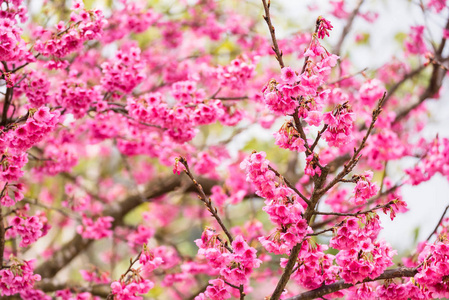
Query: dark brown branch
[
  {"x": 6, "y": 104},
  {"x": 287, "y": 272},
  {"x": 275, "y": 47},
  {"x": 2, "y": 238},
  {"x": 293, "y": 257},
  {"x": 300, "y": 130},
  {"x": 341, "y": 285}
]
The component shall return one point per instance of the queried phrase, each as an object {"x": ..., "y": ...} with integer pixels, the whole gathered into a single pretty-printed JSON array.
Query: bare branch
[
  {"x": 205, "y": 199},
  {"x": 267, "y": 19}
]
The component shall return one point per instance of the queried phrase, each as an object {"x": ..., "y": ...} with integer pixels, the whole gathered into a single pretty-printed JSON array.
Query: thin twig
[
  {"x": 439, "y": 222},
  {"x": 205, "y": 199},
  {"x": 347, "y": 77},
  {"x": 289, "y": 184},
  {"x": 354, "y": 214},
  {"x": 132, "y": 262},
  {"x": 317, "y": 139},
  {"x": 275, "y": 47},
  {"x": 370, "y": 201},
  {"x": 325, "y": 230}
]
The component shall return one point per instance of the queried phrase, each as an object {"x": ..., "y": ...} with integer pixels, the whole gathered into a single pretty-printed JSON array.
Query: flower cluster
[
  {"x": 301, "y": 91},
  {"x": 12, "y": 47},
  {"x": 282, "y": 205},
  {"x": 11, "y": 165},
  {"x": 354, "y": 231},
  {"x": 59, "y": 156},
  {"x": 340, "y": 124},
  {"x": 364, "y": 188},
  {"x": 288, "y": 138},
  {"x": 434, "y": 271},
  {"x": 76, "y": 97},
  {"x": 11, "y": 194},
  {"x": 438, "y": 5},
  {"x": 371, "y": 91},
  {"x": 416, "y": 44},
  {"x": 180, "y": 120},
  {"x": 360, "y": 255},
  {"x": 19, "y": 277},
  {"x": 218, "y": 290},
  {"x": 133, "y": 17},
  {"x": 236, "y": 74},
  {"x": 84, "y": 25},
  {"x": 368, "y": 259},
  {"x": 436, "y": 160},
  {"x": 30, "y": 229},
  {"x": 324, "y": 26},
  {"x": 95, "y": 276},
  {"x": 42, "y": 122},
  {"x": 235, "y": 267},
  {"x": 131, "y": 290},
  {"x": 140, "y": 236},
  {"x": 314, "y": 266},
  {"x": 96, "y": 230},
  {"x": 124, "y": 72},
  {"x": 149, "y": 260},
  {"x": 36, "y": 89}
]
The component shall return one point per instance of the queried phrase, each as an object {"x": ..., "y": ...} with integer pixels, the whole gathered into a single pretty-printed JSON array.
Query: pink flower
[
  {"x": 364, "y": 189},
  {"x": 288, "y": 75},
  {"x": 217, "y": 290},
  {"x": 324, "y": 27}
]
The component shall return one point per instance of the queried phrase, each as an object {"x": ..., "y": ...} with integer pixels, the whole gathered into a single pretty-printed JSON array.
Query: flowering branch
[
  {"x": 131, "y": 263},
  {"x": 341, "y": 285},
  {"x": 355, "y": 157}
]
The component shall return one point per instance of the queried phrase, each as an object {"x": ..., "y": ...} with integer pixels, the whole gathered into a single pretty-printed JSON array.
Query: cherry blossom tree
[{"x": 183, "y": 150}]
